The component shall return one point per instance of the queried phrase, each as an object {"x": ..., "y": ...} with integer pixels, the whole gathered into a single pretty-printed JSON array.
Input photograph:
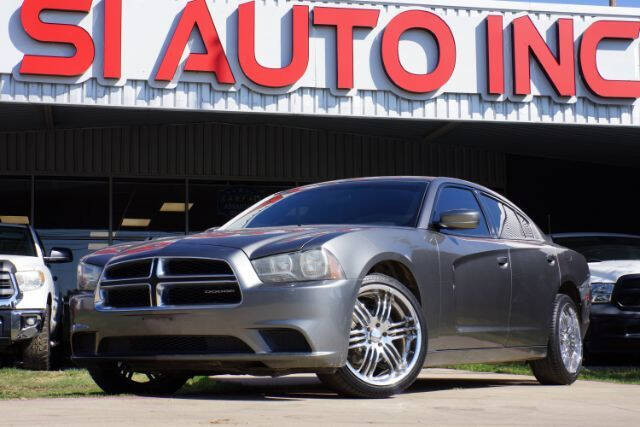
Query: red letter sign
[
  {"x": 495, "y": 54},
  {"x": 112, "y": 39},
  {"x": 625, "y": 30},
  {"x": 56, "y": 33},
  {"x": 418, "y": 83},
  {"x": 561, "y": 72},
  {"x": 273, "y": 77},
  {"x": 345, "y": 20},
  {"x": 196, "y": 14}
]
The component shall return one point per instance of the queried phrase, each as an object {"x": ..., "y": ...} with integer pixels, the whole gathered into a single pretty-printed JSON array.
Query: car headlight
[
  {"x": 88, "y": 276},
  {"x": 316, "y": 264},
  {"x": 30, "y": 280},
  {"x": 601, "y": 292}
]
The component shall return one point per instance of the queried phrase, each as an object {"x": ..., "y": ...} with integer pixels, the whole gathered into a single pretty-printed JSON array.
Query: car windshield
[
  {"x": 603, "y": 248},
  {"x": 394, "y": 203},
  {"x": 16, "y": 241}
]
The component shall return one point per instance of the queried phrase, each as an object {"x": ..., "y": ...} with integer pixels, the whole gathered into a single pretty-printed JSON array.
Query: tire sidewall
[{"x": 377, "y": 390}]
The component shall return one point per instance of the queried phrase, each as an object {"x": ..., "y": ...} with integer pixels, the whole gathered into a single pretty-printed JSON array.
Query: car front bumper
[
  {"x": 320, "y": 312},
  {"x": 19, "y": 325},
  {"x": 613, "y": 330}
]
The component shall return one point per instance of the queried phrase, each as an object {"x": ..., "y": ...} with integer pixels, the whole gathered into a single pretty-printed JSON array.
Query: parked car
[
  {"x": 28, "y": 298},
  {"x": 614, "y": 261},
  {"x": 362, "y": 282}
]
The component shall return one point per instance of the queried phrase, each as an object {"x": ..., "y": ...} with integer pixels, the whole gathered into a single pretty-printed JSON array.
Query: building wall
[{"x": 238, "y": 152}]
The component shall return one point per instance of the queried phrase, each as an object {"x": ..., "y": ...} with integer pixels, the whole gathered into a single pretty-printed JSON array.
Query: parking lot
[{"x": 439, "y": 397}]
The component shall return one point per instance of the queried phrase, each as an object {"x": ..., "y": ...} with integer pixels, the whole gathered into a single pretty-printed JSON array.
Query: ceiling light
[
  {"x": 136, "y": 222},
  {"x": 11, "y": 219},
  {"x": 174, "y": 207},
  {"x": 97, "y": 246}
]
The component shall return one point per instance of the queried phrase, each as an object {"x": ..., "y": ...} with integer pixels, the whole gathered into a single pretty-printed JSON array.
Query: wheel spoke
[
  {"x": 385, "y": 316},
  {"x": 373, "y": 362},
  {"x": 402, "y": 333},
  {"x": 393, "y": 356},
  {"x": 361, "y": 314}
]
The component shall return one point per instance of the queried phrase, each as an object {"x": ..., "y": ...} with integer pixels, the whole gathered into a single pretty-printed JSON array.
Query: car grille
[
  {"x": 171, "y": 344},
  {"x": 6, "y": 285},
  {"x": 194, "y": 267},
  {"x": 626, "y": 294},
  {"x": 127, "y": 296},
  {"x": 169, "y": 282},
  {"x": 140, "y": 269},
  {"x": 200, "y": 293}
]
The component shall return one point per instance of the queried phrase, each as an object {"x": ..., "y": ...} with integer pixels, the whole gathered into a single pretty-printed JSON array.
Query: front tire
[
  {"x": 119, "y": 378},
  {"x": 36, "y": 354},
  {"x": 564, "y": 351},
  {"x": 387, "y": 341}
]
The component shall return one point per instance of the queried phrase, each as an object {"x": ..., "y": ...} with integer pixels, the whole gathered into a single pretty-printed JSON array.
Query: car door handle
[
  {"x": 503, "y": 261},
  {"x": 551, "y": 259}
]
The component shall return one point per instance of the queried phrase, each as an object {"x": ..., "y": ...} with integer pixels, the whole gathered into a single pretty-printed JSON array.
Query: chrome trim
[
  {"x": 18, "y": 333},
  {"x": 11, "y": 301},
  {"x": 161, "y": 286},
  {"x": 103, "y": 277},
  {"x": 101, "y": 305},
  {"x": 102, "y": 283},
  {"x": 160, "y": 269}
]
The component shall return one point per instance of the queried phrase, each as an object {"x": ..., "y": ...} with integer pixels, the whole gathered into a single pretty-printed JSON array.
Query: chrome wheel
[
  {"x": 386, "y": 337},
  {"x": 570, "y": 339}
]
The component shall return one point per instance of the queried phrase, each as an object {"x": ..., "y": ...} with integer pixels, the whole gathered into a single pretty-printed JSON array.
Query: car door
[
  {"x": 534, "y": 273},
  {"x": 475, "y": 277}
]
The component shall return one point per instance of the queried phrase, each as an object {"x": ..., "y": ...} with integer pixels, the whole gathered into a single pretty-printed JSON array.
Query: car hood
[
  {"x": 23, "y": 263},
  {"x": 255, "y": 242},
  {"x": 611, "y": 271}
]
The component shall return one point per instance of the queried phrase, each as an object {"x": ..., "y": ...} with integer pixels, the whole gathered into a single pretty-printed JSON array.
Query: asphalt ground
[{"x": 439, "y": 397}]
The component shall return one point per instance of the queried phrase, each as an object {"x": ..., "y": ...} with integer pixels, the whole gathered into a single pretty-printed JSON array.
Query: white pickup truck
[{"x": 28, "y": 299}]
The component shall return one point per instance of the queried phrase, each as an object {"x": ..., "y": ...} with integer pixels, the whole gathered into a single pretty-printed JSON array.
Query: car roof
[{"x": 568, "y": 235}]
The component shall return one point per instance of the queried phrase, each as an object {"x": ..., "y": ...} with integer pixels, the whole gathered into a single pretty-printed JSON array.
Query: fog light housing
[{"x": 30, "y": 321}]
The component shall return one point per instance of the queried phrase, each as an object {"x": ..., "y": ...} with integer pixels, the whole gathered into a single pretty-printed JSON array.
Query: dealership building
[{"x": 122, "y": 120}]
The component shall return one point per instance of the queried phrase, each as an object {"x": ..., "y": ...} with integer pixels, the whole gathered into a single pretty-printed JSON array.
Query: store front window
[
  {"x": 75, "y": 213},
  {"x": 213, "y": 204},
  {"x": 144, "y": 209},
  {"x": 15, "y": 201}
]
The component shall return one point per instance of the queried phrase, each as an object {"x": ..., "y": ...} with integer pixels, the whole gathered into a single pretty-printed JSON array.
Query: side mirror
[
  {"x": 459, "y": 219},
  {"x": 59, "y": 256}
]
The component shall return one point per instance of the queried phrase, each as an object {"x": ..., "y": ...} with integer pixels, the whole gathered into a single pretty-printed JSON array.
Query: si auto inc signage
[{"x": 418, "y": 50}]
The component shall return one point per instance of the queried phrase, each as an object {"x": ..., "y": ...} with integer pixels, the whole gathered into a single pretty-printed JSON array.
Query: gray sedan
[{"x": 363, "y": 282}]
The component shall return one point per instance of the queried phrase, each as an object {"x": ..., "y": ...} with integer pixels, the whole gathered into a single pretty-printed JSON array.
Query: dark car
[
  {"x": 614, "y": 262},
  {"x": 362, "y": 282}
]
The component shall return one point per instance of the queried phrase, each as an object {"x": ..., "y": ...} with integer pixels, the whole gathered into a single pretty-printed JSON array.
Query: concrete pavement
[{"x": 439, "y": 397}]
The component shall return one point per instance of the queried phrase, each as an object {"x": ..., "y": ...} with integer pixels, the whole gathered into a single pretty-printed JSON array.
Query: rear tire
[
  {"x": 564, "y": 350},
  {"x": 118, "y": 379},
  {"x": 383, "y": 337},
  {"x": 36, "y": 354}
]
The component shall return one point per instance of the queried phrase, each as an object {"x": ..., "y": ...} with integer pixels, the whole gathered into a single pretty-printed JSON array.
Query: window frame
[
  {"x": 537, "y": 237},
  {"x": 474, "y": 191}
]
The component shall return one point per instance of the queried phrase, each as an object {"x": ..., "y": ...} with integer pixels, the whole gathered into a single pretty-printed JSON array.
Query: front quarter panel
[
  {"x": 574, "y": 271},
  {"x": 360, "y": 251}
]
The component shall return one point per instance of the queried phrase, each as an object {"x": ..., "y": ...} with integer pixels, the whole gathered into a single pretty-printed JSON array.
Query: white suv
[{"x": 28, "y": 297}]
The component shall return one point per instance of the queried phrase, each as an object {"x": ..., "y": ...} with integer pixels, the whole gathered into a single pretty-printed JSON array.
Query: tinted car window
[
  {"x": 453, "y": 198},
  {"x": 505, "y": 221},
  {"x": 16, "y": 241},
  {"x": 603, "y": 248},
  {"x": 393, "y": 203}
]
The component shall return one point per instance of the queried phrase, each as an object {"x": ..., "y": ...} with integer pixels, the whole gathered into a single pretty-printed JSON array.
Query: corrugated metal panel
[
  {"x": 202, "y": 97},
  {"x": 247, "y": 152}
]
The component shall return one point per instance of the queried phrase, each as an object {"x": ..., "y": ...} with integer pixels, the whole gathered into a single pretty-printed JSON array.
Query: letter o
[{"x": 418, "y": 83}]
